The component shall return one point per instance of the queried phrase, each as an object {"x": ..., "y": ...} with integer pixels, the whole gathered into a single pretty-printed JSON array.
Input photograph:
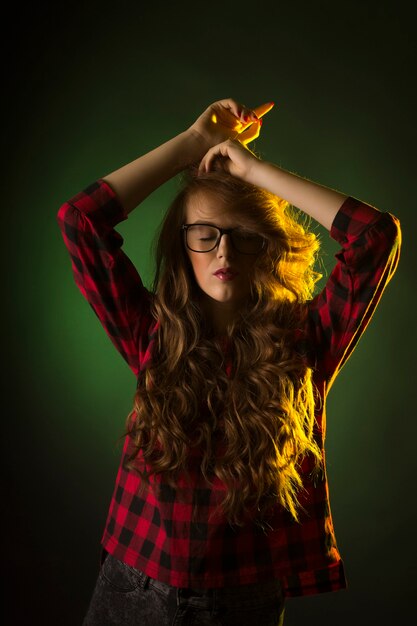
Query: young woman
[{"x": 221, "y": 505}]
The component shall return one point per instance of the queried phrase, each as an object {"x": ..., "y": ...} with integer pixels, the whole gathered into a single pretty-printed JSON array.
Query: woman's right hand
[{"x": 228, "y": 119}]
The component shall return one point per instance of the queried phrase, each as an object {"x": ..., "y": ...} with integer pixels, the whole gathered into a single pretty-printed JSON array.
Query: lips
[
  {"x": 226, "y": 274},
  {"x": 226, "y": 271}
]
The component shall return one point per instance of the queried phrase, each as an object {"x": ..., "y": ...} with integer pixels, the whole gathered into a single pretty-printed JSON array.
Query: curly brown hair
[{"x": 262, "y": 414}]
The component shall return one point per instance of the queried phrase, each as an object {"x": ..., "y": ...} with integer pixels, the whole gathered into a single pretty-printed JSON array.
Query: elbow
[
  {"x": 394, "y": 231},
  {"x": 61, "y": 216},
  {"x": 65, "y": 215}
]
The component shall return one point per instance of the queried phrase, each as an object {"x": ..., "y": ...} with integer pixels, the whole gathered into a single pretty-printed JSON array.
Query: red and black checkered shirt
[{"x": 158, "y": 536}]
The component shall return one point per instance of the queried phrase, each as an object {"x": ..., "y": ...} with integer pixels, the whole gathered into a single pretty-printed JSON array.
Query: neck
[{"x": 220, "y": 314}]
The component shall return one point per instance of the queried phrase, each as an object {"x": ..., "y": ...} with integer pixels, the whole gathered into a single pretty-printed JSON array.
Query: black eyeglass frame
[{"x": 222, "y": 231}]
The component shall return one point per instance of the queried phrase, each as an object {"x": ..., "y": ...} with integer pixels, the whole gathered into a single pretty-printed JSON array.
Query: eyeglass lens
[{"x": 203, "y": 238}]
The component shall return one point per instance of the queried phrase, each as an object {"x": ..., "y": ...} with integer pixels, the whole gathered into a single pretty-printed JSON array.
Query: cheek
[{"x": 200, "y": 266}]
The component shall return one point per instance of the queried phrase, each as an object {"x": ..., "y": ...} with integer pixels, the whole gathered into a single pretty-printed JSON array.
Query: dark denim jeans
[{"x": 125, "y": 596}]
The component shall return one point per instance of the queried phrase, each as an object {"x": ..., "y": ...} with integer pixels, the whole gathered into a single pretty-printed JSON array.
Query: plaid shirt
[{"x": 158, "y": 536}]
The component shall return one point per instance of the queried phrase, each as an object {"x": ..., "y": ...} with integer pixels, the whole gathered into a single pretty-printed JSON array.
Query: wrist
[
  {"x": 196, "y": 145},
  {"x": 256, "y": 173}
]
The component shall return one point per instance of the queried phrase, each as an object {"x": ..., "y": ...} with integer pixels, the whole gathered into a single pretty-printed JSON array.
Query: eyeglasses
[{"x": 204, "y": 238}]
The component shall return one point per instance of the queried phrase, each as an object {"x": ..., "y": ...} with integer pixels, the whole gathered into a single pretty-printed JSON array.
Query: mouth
[{"x": 226, "y": 274}]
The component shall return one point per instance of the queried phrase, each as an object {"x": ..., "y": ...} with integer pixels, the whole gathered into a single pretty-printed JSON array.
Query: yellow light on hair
[{"x": 214, "y": 118}]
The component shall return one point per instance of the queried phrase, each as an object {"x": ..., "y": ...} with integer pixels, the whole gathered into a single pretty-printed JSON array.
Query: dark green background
[{"x": 91, "y": 88}]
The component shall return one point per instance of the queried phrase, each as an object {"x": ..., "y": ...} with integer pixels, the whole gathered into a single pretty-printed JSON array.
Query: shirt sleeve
[
  {"x": 339, "y": 314},
  {"x": 102, "y": 271}
]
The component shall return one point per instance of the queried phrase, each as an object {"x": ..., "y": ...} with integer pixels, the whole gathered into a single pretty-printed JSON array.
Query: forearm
[
  {"x": 321, "y": 203},
  {"x": 135, "y": 181}
]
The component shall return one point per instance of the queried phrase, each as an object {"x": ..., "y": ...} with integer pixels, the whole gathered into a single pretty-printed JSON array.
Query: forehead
[{"x": 207, "y": 207}]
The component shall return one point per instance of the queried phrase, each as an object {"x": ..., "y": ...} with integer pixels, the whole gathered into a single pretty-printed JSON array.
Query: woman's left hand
[{"x": 230, "y": 156}]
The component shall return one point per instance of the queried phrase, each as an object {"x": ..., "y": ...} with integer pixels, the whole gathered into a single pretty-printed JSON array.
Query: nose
[{"x": 225, "y": 246}]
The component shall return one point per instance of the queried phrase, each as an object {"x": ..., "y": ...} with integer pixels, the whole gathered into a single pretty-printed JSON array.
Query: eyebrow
[{"x": 212, "y": 224}]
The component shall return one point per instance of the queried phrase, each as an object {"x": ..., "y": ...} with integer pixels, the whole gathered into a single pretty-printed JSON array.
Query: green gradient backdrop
[{"x": 91, "y": 89}]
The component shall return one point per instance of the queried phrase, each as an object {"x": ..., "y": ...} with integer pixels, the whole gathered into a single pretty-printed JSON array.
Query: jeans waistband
[{"x": 210, "y": 597}]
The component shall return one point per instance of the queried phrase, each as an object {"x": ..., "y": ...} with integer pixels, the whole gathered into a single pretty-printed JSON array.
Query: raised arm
[
  {"x": 135, "y": 181},
  {"x": 321, "y": 203},
  {"x": 318, "y": 201},
  {"x": 224, "y": 119}
]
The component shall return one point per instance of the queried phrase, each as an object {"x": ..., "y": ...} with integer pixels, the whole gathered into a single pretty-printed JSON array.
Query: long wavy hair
[{"x": 262, "y": 413}]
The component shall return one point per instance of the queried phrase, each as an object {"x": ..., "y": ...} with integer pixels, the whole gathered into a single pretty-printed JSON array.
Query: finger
[
  {"x": 207, "y": 159},
  {"x": 221, "y": 165},
  {"x": 242, "y": 114},
  {"x": 250, "y": 133},
  {"x": 247, "y": 124},
  {"x": 228, "y": 119},
  {"x": 263, "y": 109},
  {"x": 218, "y": 151},
  {"x": 235, "y": 108},
  {"x": 240, "y": 110},
  {"x": 253, "y": 115},
  {"x": 214, "y": 153},
  {"x": 202, "y": 164}
]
